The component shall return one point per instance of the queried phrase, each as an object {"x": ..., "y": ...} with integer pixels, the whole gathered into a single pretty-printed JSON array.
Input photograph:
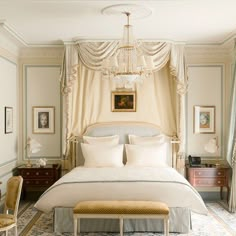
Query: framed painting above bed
[{"x": 123, "y": 101}]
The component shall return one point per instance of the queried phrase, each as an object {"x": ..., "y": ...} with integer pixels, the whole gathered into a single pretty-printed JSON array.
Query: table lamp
[
  {"x": 32, "y": 147},
  {"x": 212, "y": 146}
]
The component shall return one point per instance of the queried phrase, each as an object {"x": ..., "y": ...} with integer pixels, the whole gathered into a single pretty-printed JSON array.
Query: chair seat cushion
[
  {"x": 121, "y": 207},
  {"x": 6, "y": 220}
]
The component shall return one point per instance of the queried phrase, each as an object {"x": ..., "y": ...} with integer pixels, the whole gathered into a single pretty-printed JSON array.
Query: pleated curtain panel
[
  {"x": 87, "y": 94},
  {"x": 231, "y": 149}
]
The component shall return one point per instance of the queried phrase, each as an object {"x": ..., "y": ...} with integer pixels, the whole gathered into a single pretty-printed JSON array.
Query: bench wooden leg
[
  {"x": 121, "y": 226},
  {"x": 78, "y": 226},
  {"x": 75, "y": 226},
  {"x": 166, "y": 226}
]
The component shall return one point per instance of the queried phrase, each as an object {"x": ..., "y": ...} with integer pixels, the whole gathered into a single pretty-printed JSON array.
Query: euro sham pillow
[
  {"x": 110, "y": 140},
  {"x": 102, "y": 155},
  {"x": 146, "y": 155},
  {"x": 134, "y": 139}
]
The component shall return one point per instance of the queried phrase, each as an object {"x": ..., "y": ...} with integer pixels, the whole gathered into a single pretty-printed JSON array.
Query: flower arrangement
[{"x": 41, "y": 162}]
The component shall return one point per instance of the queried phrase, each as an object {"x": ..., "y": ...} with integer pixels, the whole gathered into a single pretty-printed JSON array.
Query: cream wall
[
  {"x": 206, "y": 86},
  {"x": 8, "y": 97},
  {"x": 40, "y": 86}
]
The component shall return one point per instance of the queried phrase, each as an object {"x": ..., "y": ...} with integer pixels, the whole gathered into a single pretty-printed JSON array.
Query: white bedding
[{"x": 125, "y": 183}]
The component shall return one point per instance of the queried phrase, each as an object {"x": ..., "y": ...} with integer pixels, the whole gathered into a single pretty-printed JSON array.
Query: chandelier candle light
[
  {"x": 128, "y": 64},
  {"x": 32, "y": 146}
]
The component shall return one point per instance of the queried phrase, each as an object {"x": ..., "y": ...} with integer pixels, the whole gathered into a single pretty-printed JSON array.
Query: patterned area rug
[{"x": 219, "y": 222}]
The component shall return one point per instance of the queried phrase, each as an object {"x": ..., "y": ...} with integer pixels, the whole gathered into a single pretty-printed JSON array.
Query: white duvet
[{"x": 125, "y": 183}]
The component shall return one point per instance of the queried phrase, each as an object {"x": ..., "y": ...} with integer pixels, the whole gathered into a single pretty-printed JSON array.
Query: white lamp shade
[
  {"x": 211, "y": 146},
  {"x": 33, "y": 145}
]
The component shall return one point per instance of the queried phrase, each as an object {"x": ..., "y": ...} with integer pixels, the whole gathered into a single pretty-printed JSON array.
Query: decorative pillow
[
  {"x": 146, "y": 155},
  {"x": 102, "y": 155},
  {"x": 110, "y": 140},
  {"x": 133, "y": 139}
]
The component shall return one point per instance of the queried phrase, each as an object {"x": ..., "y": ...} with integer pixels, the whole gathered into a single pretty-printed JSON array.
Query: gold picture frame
[
  {"x": 123, "y": 101},
  {"x": 204, "y": 119},
  {"x": 43, "y": 119}
]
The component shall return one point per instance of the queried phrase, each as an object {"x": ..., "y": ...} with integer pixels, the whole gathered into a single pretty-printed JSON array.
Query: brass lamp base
[{"x": 28, "y": 165}]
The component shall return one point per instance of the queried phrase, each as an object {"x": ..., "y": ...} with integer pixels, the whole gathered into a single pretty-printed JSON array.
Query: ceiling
[{"x": 41, "y": 22}]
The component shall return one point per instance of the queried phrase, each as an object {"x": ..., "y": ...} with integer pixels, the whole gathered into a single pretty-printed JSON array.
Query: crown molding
[
  {"x": 224, "y": 50},
  {"x": 21, "y": 42},
  {"x": 12, "y": 32},
  {"x": 7, "y": 45},
  {"x": 41, "y": 52}
]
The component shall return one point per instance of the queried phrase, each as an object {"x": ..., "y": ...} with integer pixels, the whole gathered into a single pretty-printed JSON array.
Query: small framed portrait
[
  {"x": 8, "y": 120},
  {"x": 43, "y": 120},
  {"x": 123, "y": 101},
  {"x": 204, "y": 119}
]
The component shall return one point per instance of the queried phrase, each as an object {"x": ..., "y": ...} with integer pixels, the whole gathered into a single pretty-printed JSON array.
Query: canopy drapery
[
  {"x": 231, "y": 149},
  {"x": 87, "y": 95}
]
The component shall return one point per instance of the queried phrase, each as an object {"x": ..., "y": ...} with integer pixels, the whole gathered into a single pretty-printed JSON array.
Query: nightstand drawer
[
  {"x": 212, "y": 172},
  {"x": 36, "y": 173},
  {"x": 209, "y": 182},
  {"x": 37, "y": 182},
  {"x": 205, "y": 176}
]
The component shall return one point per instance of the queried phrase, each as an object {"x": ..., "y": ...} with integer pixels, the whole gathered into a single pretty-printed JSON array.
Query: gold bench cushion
[
  {"x": 6, "y": 220},
  {"x": 121, "y": 207}
]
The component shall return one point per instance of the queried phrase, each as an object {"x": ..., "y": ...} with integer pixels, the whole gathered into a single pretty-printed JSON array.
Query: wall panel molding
[
  {"x": 44, "y": 79},
  {"x": 206, "y": 88}
]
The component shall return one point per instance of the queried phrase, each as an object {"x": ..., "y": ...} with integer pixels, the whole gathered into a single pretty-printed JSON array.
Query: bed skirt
[{"x": 180, "y": 222}]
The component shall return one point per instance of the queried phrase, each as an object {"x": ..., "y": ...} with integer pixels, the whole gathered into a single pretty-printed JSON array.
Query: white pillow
[
  {"x": 146, "y": 155},
  {"x": 133, "y": 139},
  {"x": 102, "y": 155},
  {"x": 110, "y": 140}
]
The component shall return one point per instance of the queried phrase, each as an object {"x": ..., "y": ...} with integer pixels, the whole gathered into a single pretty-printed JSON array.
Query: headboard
[{"x": 123, "y": 129}]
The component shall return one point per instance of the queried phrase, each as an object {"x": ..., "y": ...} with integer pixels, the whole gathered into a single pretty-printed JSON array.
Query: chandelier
[{"x": 127, "y": 65}]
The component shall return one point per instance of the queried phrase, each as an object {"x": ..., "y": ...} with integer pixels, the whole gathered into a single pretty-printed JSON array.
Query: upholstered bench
[{"x": 121, "y": 210}]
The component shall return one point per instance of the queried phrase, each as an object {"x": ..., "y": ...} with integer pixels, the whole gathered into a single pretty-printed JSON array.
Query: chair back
[{"x": 14, "y": 186}]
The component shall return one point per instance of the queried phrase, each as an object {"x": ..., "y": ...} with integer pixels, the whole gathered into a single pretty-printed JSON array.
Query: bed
[{"x": 161, "y": 183}]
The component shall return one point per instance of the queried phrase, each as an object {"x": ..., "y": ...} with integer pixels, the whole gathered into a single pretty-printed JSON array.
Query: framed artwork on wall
[
  {"x": 204, "y": 119},
  {"x": 8, "y": 120},
  {"x": 43, "y": 120},
  {"x": 123, "y": 101}
]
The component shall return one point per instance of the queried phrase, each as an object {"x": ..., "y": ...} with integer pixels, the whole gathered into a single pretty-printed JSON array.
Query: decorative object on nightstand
[
  {"x": 32, "y": 146},
  {"x": 209, "y": 176},
  {"x": 212, "y": 147},
  {"x": 41, "y": 162},
  {"x": 38, "y": 179}
]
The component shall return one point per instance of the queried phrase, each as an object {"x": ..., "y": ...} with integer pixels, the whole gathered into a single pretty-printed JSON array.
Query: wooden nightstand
[
  {"x": 38, "y": 178},
  {"x": 216, "y": 176}
]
